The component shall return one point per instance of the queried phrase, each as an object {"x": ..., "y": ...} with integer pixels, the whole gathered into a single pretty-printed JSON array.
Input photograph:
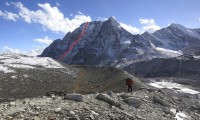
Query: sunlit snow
[
  {"x": 8, "y": 62},
  {"x": 6, "y": 69},
  {"x": 197, "y": 57},
  {"x": 21, "y": 66},
  {"x": 3, "y": 57},
  {"x": 171, "y": 85},
  {"x": 28, "y": 62},
  {"x": 127, "y": 42},
  {"x": 167, "y": 52}
]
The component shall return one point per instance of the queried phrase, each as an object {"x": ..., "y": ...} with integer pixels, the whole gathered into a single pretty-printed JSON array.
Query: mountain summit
[{"x": 108, "y": 43}]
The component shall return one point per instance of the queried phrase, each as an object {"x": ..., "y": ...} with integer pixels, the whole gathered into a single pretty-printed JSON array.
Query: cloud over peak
[
  {"x": 51, "y": 18},
  {"x": 130, "y": 28},
  {"x": 148, "y": 25}
]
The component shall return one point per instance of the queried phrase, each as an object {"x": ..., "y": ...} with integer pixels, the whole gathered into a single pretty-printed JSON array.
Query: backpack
[{"x": 128, "y": 81}]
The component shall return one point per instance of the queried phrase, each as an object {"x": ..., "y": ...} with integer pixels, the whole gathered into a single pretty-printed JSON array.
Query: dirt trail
[{"x": 76, "y": 88}]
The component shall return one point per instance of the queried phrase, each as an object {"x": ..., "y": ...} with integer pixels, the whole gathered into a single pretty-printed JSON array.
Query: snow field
[{"x": 176, "y": 86}]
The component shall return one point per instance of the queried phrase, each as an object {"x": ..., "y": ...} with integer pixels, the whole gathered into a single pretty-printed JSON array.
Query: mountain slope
[
  {"x": 160, "y": 67},
  {"x": 192, "y": 50},
  {"x": 176, "y": 37},
  {"x": 103, "y": 42},
  {"x": 107, "y": 43}
]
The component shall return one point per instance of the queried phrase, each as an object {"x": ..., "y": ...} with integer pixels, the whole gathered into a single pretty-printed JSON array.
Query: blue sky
[{"x": 30, "y": 25}]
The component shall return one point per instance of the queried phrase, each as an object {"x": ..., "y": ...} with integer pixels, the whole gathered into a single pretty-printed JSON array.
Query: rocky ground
[
  {"x": 148, "y": 103},
  {"x": 55, "y": 91}
]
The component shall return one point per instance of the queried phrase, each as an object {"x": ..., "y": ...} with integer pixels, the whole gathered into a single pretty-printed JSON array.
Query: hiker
[{"x": 129, "y": 83}]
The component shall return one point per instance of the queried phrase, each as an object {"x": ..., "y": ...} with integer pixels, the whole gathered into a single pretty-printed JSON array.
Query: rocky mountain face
[
  {"x": 107, "y": 43},
  {"x": 192, "y": 50},
  {"x": 166, "y": 66},
  {"x": 103, "y": 42},
  {"x": 176, "y": 37}
]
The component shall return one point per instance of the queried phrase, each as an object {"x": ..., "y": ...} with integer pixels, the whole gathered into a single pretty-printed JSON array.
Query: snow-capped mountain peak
[
  {"x": 107, "y": 42},
  {"x": 112, "y": 20},
  {"x": 178, "y": 26},
  {"x": 184, "y": 30}
]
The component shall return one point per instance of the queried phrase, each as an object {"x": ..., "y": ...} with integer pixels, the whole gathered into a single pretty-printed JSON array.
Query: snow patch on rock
[{"x": 168, "y": 52}]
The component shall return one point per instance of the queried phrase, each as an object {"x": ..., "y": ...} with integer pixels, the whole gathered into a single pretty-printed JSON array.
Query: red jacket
[{"x": 129, "y": 82}]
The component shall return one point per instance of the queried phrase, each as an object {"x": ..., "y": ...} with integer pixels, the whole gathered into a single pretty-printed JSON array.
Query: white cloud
[
  {"x": 148, "y": 25},
  {"x": 10, "y": 50},
  {"x": 102, "y": 19},
  {"x": 147, "y": 21},
  {"x": 6, "y": 3},
  {"x": 71, "y": 15},
  {"x": 151, "y": 28},
  {"x": 37, "y": 50},
  {"x": 9, "y": 16},
  {"x": 51, "y": 18},
  {"x": 46, "y": 40},
  {"x": 199, "y": 19},
  {"x": 57, "y": 4},
  {"x": 130, "y": 28}
]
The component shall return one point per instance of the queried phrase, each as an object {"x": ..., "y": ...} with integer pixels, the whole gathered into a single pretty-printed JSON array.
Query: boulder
[
  {"x": 108, "y": 99},
  {"x": 173, "y": 111},
  {"x": 124, "y": 95},
  {"x": 160, "y": 101},
  {"x": 9, "y": 118},
  {"x": 72, "y": 112},
  {"x": 57, "y": 110},
  {"x": 133, "y": 102},
  {"x": 75, "y": 97},
  {"x": 74, "y": 118},
  {"x": 55, "y": 93},
  {"x": 110, "y": 93},
  {"x": 11, "y": 104}
]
